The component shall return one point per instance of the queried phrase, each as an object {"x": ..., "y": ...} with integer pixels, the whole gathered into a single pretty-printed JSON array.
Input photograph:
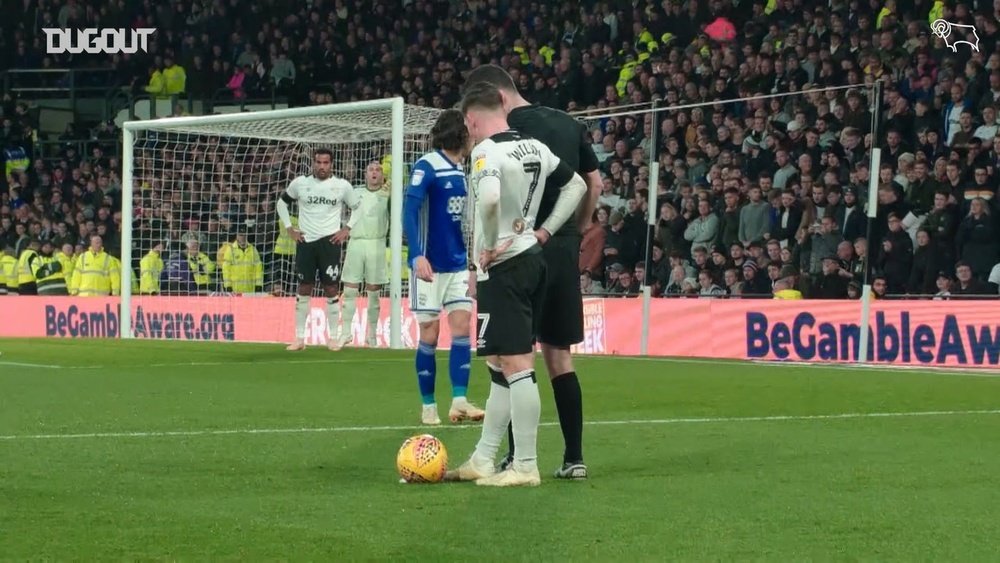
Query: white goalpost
[{"x": 195, "y": 187}]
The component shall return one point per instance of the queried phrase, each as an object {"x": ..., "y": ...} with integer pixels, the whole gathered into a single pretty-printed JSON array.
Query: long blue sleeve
[
  {"x": 411, "y": 225},
  {"x": 414, "y": 224}
]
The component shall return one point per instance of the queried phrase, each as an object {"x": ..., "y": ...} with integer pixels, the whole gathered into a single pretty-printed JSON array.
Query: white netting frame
[{"x": 281, "y": 142}]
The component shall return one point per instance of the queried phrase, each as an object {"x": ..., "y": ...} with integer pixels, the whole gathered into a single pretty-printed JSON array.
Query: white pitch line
[
  {"x": 27, "y": 365},
  {"x": 641, "y": 422}
]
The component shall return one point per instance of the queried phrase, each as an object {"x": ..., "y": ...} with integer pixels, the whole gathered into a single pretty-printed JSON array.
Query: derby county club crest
[
  {"x": 519, "y": 226},
  {"x": 953, "y": 34}
]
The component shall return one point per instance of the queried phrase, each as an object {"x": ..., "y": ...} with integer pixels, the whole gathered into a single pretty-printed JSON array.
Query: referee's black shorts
[
  {"x": 321, "y": 256},
  {"x": 509, "y": 305},
  {"x": 562, "y": 312}
]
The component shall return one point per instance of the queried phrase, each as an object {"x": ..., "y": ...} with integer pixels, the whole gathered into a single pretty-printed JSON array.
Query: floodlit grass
[{"x": 158, "y": 450}]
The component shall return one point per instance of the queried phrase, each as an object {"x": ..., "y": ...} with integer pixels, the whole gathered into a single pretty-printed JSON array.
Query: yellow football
[{"x": 422, "y": 459}]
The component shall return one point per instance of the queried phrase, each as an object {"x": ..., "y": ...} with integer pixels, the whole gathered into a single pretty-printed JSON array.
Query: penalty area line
[{"x": 362, "y": 429}]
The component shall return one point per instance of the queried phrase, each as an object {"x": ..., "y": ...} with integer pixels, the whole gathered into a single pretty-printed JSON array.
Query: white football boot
[
  {"x": 296, "y": 346},
  {"x": 430, "y": 415},
  {"x": 464, "y": 410},
  {"x": 469, "y": 471},
  {"x": 511, "y": 477}
]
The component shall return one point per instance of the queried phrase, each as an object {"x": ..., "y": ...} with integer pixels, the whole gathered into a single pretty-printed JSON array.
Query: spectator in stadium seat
[
  {"x": 978, "y": 239},
  {"x": 702, "y": 231},
  {"x": 880, "y": 288},
  {"x": 789, "y": 219},
  {"x": 707, "y": 286},
  {"x": 896, "y": 257},
  {"x": 826, "y": 239},
  {"x": 926, "y": 263},
  {"x": 967, "y": 284},
  {"x": 754, "y": 284},
  {"x": 754, "y": 219},
  {"x": 670, "y": 228}
]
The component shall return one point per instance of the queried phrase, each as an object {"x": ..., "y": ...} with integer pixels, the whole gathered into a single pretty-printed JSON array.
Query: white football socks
[
  {"x": 301, "y": 315},
  {"x": 374, "y": 310},
  {"x": 332, "y": 316},
  {"x": 350, "y": 306},
  {"x": 525, "y": 411},
  {"x": 494, "y": 425}
]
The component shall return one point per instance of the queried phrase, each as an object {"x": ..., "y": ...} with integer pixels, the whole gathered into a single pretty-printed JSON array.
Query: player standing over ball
[
  {"x": 321, "y": 198},
  {"x": 365, "y": 260},
  {"x": 562, "y": 315},
  {"x": 433, "y": 215},
  {"x": 510, "y": 173}
]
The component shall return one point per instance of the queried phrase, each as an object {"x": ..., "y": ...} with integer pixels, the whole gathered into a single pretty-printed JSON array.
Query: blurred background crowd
[{"x": 761, "y": 197}]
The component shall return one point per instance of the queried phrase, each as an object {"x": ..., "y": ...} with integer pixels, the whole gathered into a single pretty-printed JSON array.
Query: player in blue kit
[{"x": 433, "y": 214}]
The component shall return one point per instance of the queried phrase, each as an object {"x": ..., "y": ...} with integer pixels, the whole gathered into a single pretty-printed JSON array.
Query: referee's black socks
[{"x": 569, "y": 404}]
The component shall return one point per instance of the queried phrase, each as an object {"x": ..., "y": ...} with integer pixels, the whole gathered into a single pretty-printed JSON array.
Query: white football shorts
[
  {"x": 448, "y": 292},
  {"x": 365, "y": 262}
]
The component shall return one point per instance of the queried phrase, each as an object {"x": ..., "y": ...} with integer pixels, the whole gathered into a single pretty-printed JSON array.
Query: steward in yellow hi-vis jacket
[
  {"x": 150, "y": 269},
  {"x": 25, "y": 277},
  {"x": 8, "y": 271},
  {"x": 281, "y": 271},
  {"x": 201, "y": 266},
  {"x": 48, "y": 271},
  {"x": 95, "y": 272},
  {"x": 242, "y": 268},
  {"x": 66, "y": 258}
]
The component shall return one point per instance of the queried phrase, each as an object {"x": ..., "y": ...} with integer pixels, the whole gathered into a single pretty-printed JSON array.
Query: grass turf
[{"x": 685, "y": 478}]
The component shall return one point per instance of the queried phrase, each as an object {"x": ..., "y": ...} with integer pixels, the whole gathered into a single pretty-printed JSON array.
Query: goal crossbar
[{"x": 328, "y": 131}]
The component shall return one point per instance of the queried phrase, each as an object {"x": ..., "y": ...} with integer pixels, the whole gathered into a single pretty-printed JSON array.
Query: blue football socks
[
  {"x": 459, "y": 362},
  {"x": 426, "y": 372}
]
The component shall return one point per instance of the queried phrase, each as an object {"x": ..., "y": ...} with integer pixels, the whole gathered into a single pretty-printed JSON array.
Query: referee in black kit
[{"x": 562, "y": 312}]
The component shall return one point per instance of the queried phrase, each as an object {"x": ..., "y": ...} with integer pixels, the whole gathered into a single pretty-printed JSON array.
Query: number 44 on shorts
[
  {"x": 484, "y": 321},
  {"x": 332, "y": 272}
]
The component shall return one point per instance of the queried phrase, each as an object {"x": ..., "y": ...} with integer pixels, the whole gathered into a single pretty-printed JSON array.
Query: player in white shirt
[
  {"x": 321, "y": 199},
  {"x": 510, "y": 173},
  {"x": 365, "y": 260}
]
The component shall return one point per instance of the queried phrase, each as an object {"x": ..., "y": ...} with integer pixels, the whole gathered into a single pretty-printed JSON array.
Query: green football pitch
[{"x": 116, "y": 450}]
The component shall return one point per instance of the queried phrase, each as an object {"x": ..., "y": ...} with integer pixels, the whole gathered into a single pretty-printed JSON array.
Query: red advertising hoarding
[{"x": 918, "y": 333}]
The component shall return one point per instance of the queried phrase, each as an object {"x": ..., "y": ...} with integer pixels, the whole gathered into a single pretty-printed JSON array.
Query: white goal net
[{"x": 202, "y": 186}]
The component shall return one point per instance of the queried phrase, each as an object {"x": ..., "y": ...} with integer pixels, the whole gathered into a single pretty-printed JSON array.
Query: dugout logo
[{"x": 94, "y": 41}]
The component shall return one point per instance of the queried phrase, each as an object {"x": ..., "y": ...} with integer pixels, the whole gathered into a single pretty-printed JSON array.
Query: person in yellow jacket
[
  {"x": 157, "y": 86},
  {"x": 174, "y": 77},
  {"x": 66, "y": 258},
  {"x": 201, "y": 266},
  {"x": 95, "y": 272},
  {"x": 48, "y": 272},
  {"x": 8, "y": 271},
  {"x": 242, "y": 269},
  {"x": 784, "y": 290},
  {"x": 283, "y": 268},
  {"x": 150, "y": 268},
  {"x": 26, "y": 284}
]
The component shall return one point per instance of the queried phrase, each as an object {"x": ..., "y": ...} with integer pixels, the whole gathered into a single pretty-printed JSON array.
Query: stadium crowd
[{"x": 758, "y": 197}]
